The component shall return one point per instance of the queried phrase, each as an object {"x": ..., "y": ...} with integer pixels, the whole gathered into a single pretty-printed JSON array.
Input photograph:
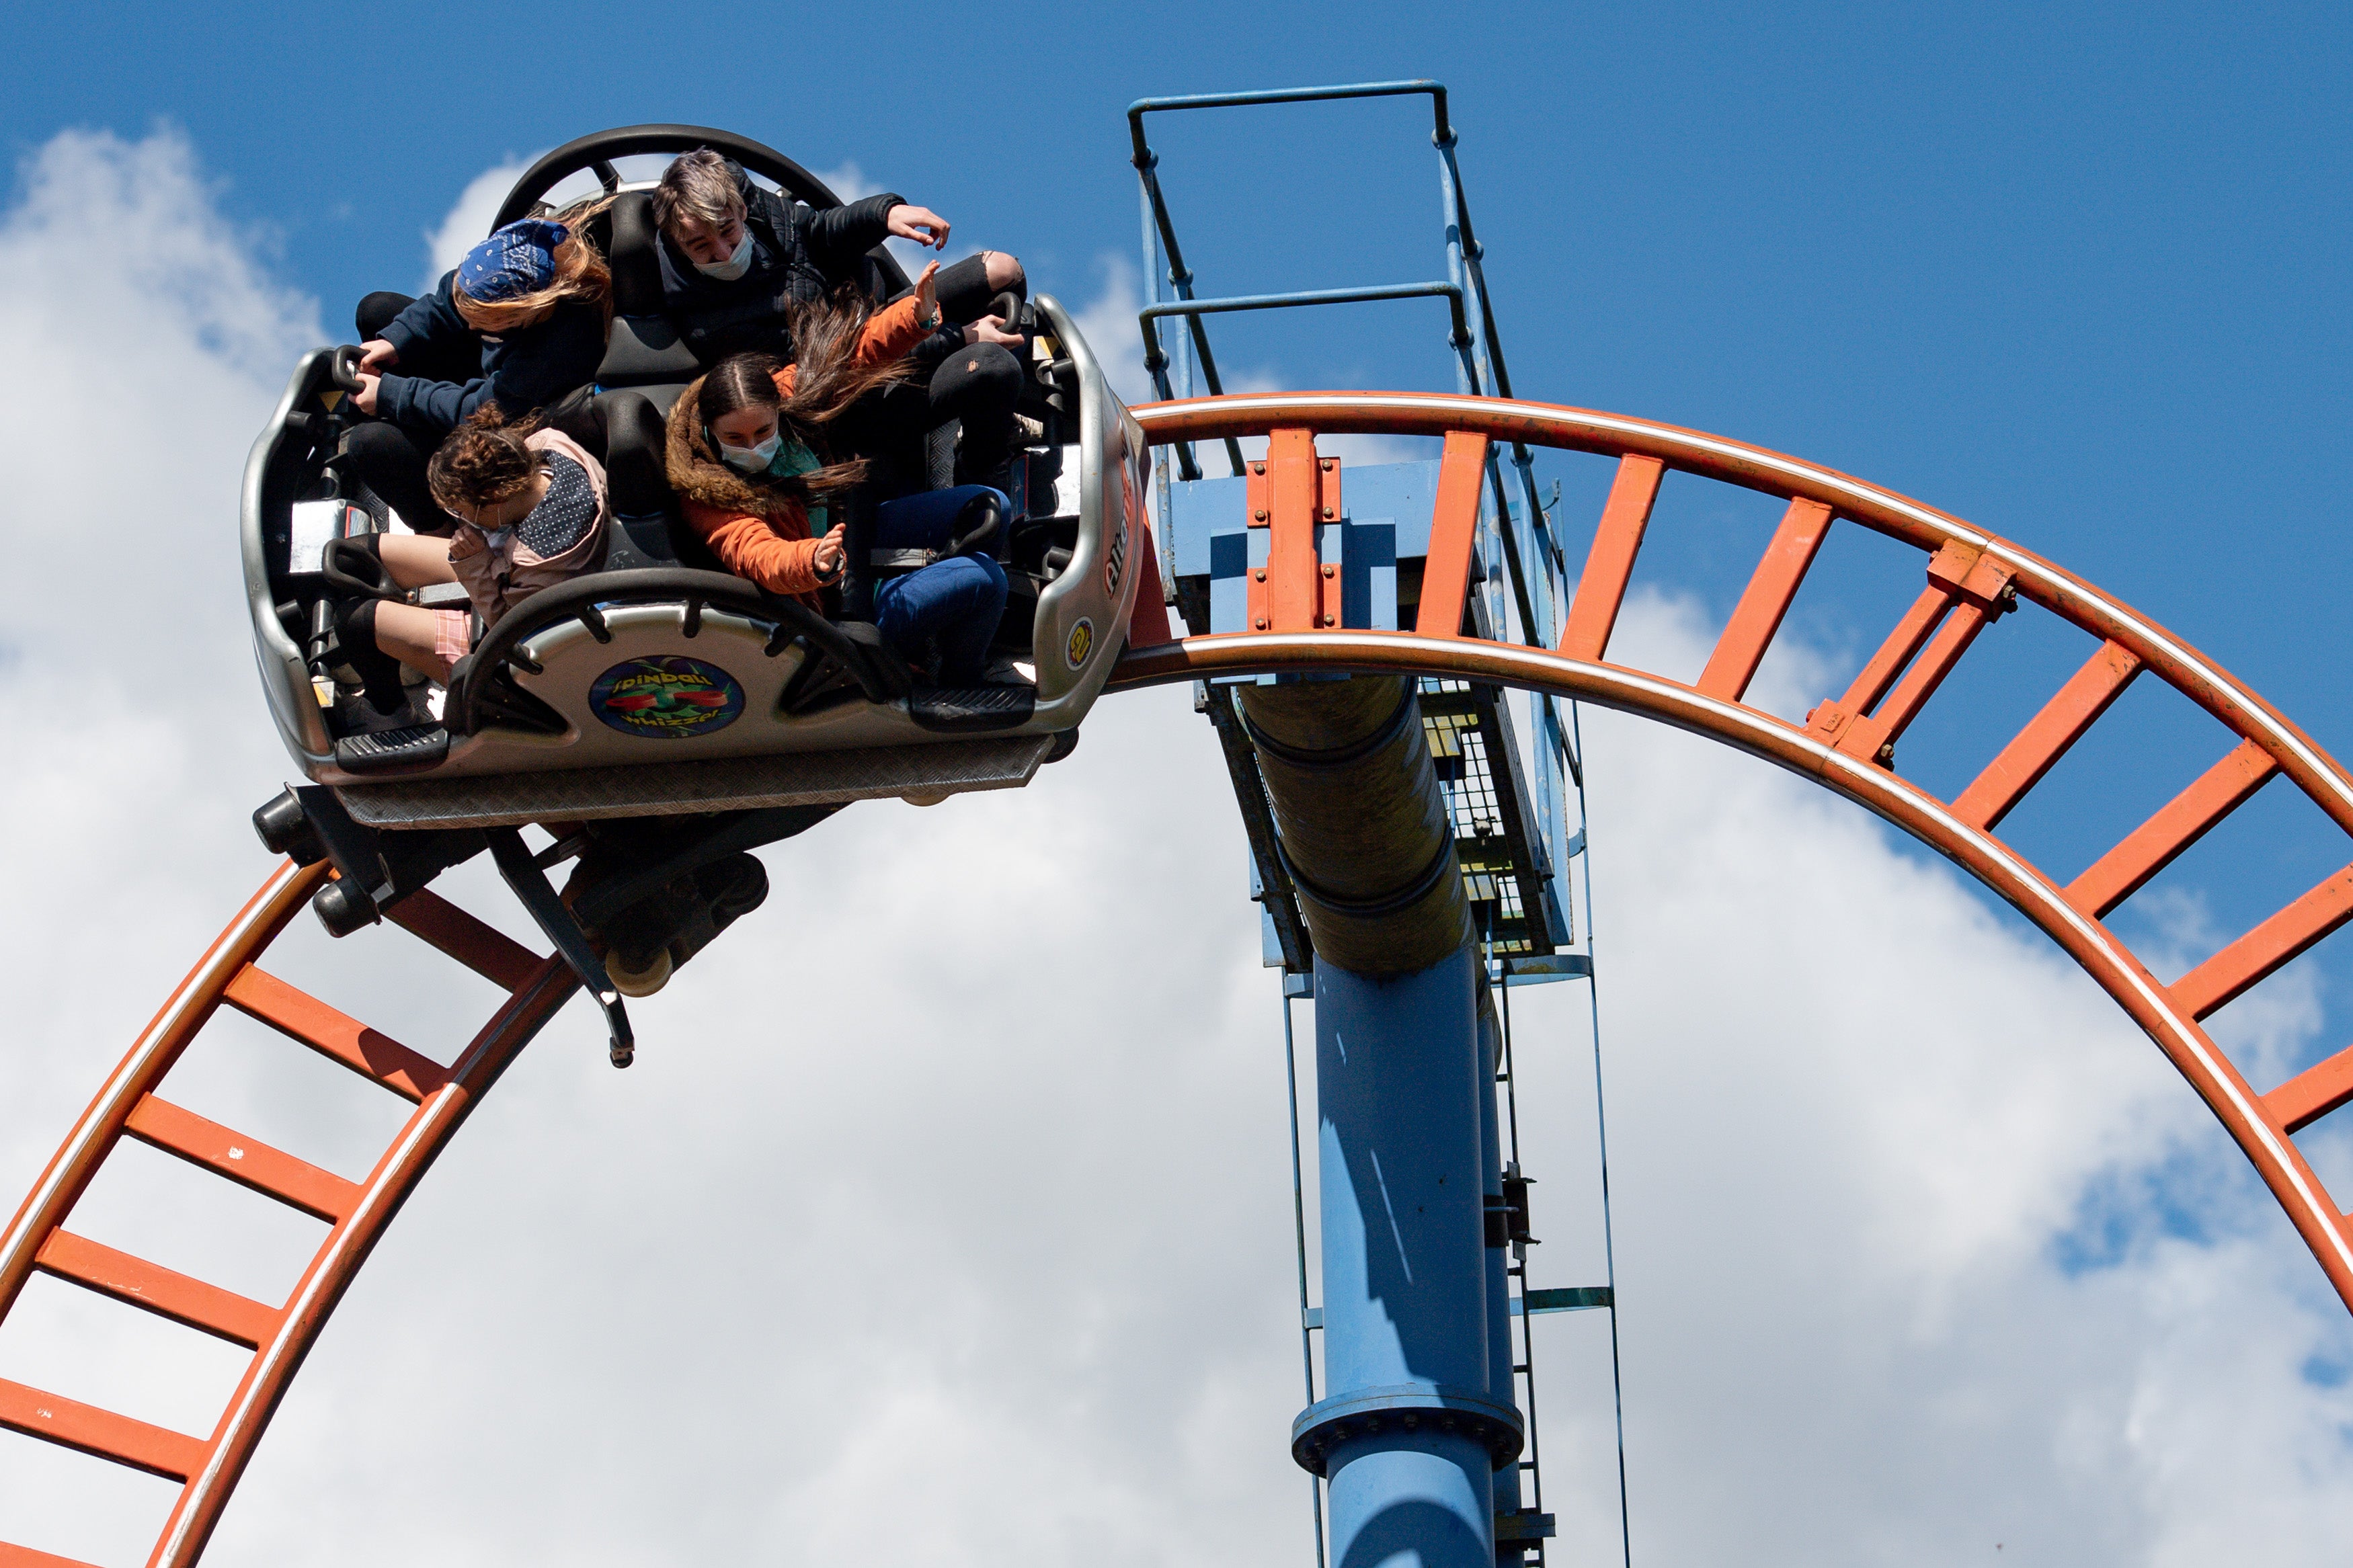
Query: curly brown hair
[{"x": 482, "y": 462}]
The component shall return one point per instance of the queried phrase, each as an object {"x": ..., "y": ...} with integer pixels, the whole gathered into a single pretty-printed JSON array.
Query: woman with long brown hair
[{"x": 750, "y": 457}]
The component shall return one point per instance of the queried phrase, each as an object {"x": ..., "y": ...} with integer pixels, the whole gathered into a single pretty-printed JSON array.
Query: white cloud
[
  {"x": 469, "y": 220},
  {"x": 1108, "y": 323},
  {"x": 848, "y": 182},
  {"x": 948, "y": 1197}
]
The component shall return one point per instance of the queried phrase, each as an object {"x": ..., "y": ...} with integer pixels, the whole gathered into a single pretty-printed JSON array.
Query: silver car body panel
[{"x": 1079, "y": 631}]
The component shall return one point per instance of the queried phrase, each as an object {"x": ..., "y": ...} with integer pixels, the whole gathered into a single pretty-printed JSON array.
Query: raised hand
[
  {"x": 921, "y": 225},
  {"x": 830, "y": 554}
]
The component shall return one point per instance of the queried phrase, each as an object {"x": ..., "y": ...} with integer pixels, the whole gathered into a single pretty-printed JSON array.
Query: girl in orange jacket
[{"x": 748, "y": 458}]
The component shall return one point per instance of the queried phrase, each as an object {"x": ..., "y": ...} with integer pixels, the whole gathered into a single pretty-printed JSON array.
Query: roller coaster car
[{"x": 660, "y": 685}]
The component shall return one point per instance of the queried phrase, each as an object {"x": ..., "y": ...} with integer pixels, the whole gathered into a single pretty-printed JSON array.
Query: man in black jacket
[{"x": 735, "y": 255}]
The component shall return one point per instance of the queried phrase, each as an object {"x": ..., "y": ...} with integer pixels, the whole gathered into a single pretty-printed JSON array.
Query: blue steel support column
[
  {"x": 1408, "y": 1432},
  {"x": 1407, "y": 1435}
]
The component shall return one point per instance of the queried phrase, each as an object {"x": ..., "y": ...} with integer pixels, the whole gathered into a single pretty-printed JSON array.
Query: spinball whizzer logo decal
[{"x": 672, "y": 698}]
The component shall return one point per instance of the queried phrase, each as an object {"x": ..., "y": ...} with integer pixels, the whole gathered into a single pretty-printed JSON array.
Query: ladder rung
[
  {"x": 489, "y": 953},
  {"x": 1610, "y": 561},
  {"x": 1574, "y": 1299},
  {"x": 250, "y": 1163},
  {"x": 2036, "y": 748},
  {"x": 1766, "y": 600},
  {"x": 1453, "y": 530},
  {"x": 301, "y": 1017},
  {"x": 2314, "y": 1092},
  {"x": 2250, "y": 960},
  {"x": 2151, "y": 847},
  {"x": 103, "y": 1434},
  {"x": 153, "y": 1288},
  {"x": 25, "y": 1557},
  {"x": 1526, "y": 1524}
]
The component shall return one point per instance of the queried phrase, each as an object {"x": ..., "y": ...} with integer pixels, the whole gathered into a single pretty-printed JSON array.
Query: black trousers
[
  {"x": 385, "y": 457},
  {"x": 978, "y": 387},
  {"x": 905, "y": 430}
]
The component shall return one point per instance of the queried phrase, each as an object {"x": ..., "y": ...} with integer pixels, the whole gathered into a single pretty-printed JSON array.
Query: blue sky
[
  {"x": 2073, "y": 273},
  {"x": 2076, "y": 274}
]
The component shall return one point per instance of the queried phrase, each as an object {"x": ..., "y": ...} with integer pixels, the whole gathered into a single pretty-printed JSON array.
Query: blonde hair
[
  {"x": 697, "y": 185},
  {"x": 580, "y": 274}
]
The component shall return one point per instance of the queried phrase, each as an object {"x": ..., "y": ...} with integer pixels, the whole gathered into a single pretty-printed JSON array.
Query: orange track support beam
[
  {"x": 135, "y": 1282},
  {"x": 1294, "y": 492},
  {"x": 1879, "y": 672},
  {"x": 2183, "y": 821},
  {"x": 1453, "y": 531},
  {"x": 1609, "y": 564},
  {"x": 1971, "y": 574},
  {"x": 36, "y": 1242},
  {"x": 299, "y": 1016},
  {"x": 87, "y": 1430},
  {"x": 25, "y": 1557},
  {"x": 1772, "y": 588},
  {"x": 33, "y": 1241},
  {"x": 2038, "y": 748},
  {"x": 2314, "y": 1092},
  {"x": 247, "y": 1162},
  {"x": 489, "y": 953},
  {"x": 2246, "y": 962},
  {"x": 1860, "y": 723}
]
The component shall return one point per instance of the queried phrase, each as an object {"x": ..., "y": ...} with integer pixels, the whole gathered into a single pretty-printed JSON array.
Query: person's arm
[
  {"x": 429, "y": 320},
  {"x": 892, "y": 331},
  {"x": 750, "y": 548},
  {"x": 837, "y": 236},
  {"x": 434, "y": 405}
]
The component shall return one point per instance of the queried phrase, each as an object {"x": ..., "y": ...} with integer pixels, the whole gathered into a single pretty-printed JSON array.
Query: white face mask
[
  {"x": 754, "y": 459},
  {"x": 735, "y": 265}
]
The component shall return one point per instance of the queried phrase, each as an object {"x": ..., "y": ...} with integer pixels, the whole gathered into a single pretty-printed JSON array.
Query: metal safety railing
[
  {"x": 1513, "y": 524},
  {"x": 1537, "y": 571}
]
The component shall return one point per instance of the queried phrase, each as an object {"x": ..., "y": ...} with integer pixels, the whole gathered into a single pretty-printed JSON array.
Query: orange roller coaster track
[{"x": 1846, "y": 743}]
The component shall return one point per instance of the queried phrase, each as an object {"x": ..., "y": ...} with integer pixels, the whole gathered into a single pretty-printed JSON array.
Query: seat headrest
[
  {"x": 635, "y": 442},
  {"x": 637, "y": 274}
]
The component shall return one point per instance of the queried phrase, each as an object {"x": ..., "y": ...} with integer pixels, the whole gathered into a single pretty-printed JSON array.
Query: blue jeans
[{"x": 956, "y": 603}]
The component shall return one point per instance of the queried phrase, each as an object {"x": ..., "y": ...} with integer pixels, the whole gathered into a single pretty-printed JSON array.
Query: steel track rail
[
  {"x": 37, "y": 1240},
  {"x": 1847, "y": 744}
]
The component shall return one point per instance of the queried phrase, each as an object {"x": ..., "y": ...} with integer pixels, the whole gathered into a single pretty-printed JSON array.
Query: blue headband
[{"x": 518, "y": 259}]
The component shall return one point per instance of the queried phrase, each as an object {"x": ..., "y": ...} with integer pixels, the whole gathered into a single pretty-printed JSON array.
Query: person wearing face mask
[
  {"x": 533, "y": 510},
  {"x": 736, "y": 258},
  {"x": 520, "y": 322},
  {"x": 750, "y": 457}
]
